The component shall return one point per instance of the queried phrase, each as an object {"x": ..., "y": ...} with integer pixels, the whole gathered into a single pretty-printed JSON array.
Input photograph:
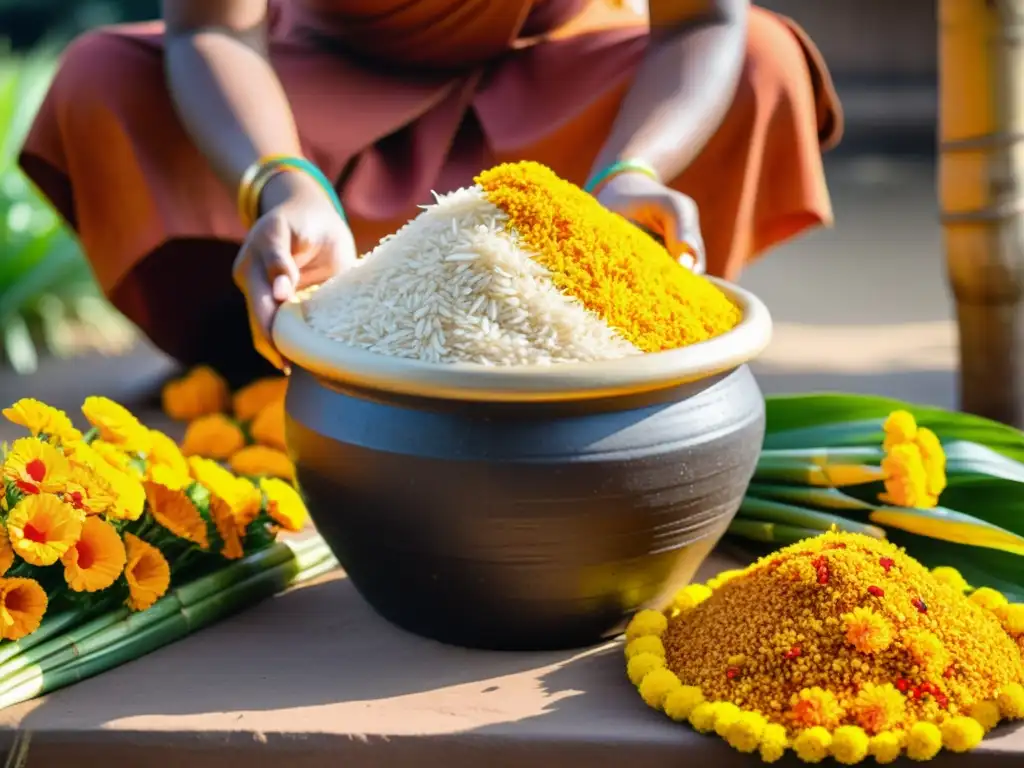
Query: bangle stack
[
  {"x": 601, "y": 178},
  {"x": 256, "y": 176}
]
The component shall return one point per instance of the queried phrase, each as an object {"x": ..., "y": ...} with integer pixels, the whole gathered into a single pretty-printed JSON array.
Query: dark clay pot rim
[{"x": 344, "y": 365}]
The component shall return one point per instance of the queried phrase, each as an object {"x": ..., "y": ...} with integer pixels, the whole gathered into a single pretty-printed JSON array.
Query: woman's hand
[
  {"x": 662, "y": 211},
  {"x": 298, "y": 241}
]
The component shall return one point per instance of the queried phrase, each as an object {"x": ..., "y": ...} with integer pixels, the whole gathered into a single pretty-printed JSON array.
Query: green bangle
[
  {"x": 615, "y": 169},
  {"x": 302, "y": 164}
]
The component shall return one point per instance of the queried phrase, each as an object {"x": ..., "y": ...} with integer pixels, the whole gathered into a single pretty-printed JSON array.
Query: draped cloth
[{"x": 395, "y": 99}]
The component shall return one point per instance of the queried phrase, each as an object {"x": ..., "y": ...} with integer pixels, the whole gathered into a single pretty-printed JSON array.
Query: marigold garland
[{"x": 840, "y": 647}]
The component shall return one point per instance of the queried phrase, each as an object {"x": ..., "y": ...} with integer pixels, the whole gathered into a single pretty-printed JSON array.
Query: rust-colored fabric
[{"x": 393, "y": 99}]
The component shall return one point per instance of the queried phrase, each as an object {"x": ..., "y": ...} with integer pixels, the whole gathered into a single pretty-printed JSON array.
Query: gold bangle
[{"x": 244, "y": 200}]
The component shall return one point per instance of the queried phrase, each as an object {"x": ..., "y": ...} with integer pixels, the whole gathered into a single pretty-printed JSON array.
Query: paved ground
[{"x": 862, "y": 307}]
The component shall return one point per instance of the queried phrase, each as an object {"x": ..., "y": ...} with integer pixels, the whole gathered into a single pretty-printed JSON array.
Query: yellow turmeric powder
[
  {"x": 611, "y": 266},
  {"x": 846, "y": 643}
]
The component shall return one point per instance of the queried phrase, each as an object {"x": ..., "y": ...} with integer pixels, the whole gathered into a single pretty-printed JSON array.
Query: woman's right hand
[{"x": 298, "y": 241}]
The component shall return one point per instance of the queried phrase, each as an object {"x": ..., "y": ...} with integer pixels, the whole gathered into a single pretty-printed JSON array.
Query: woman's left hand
[{"x": 662, "y": 211}]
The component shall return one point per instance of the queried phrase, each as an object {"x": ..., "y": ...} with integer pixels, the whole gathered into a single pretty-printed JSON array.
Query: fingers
[{"x": 682, "y": 233}]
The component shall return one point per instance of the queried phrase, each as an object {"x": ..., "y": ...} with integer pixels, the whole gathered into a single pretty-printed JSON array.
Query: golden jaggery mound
[
  {"x": 616, "y": 270},
  {"x": 843, "y": 630}
]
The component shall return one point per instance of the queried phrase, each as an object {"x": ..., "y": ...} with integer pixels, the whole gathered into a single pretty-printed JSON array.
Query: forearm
[
  {"x": 683, "y": 88},
  {"x": 226, "y": 94}
]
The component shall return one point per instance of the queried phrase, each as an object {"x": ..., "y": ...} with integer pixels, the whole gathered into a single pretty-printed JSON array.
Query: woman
[{"x": 149, "y": 131}]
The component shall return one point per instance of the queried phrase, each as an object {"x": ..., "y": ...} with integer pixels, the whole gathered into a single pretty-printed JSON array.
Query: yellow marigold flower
[
  {"x": 812, "y": 745},
  {"x": 924, "y": 740},
  {"x": 986, "y": 713},
  {"x": 961, "y": 734},
  {"x": 640, "y": 665},
  {"x": 951, "y": 577},
  {"x": 988, "y": 598},
  {"x": 656, "y": 685},
  {"x": 169, "y": 478},
  {"x": 645, "y": 644},
  {"x": 879, "y": 708},
  {"x": 242, "y": 497},
  {"x": 250, "y": 400},
  {"x": 934, "y": 459},
  {"x": 906, "y": 479},
  {"x": 866, "y": 630},
  {"x": 212, "y": 437},
  {"x": 646, "y": 622},
  {"x": 36, "y": 467},
  {"x": 261, "y": 461},
  {"x": 125, "y": 490},
  {"x": 681, "y": 702},
  {"x": 690, "y": 596},
  {"x": 116, "y": 424},
  {"x": 6, "y": 552},
  {"x": 200, "y": 392},
  {"x": 164, "y": 452},
  {"x": 885, "y": 747},
  {"x": 724, "y": 578},
  {"x": 813, "y": 707},
  {"x": 41, "y": 419},
  {"x": 849, "y": 744},
  {"x": 1012, "y": 617},
  {"x": 1011, "y": 702},
  {"x": 703, "y": 716},
  {"x": 146, "y": 571},
  {"x": 745, "y": 734},
  {"x": 115, "y": 456},
  {"x": 96, "y": 560},
  {"x": 286, "y": 508},
  {"x": 774, "y": 743},
  {"x": 268, "y": 426},
  {"x": 174, "y": 510},
  {"x": 899, "y": 427},
  {"x": 22, "y": 607},
  {"x": 42, "y": 528},
  {"x": 727, "y": 714},
  {"x": 87, "y": 492}
]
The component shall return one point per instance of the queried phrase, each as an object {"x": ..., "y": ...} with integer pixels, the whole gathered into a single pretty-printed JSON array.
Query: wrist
[
  {"x": 285, "y": 186},
  {"x": 618, "y": 168}
]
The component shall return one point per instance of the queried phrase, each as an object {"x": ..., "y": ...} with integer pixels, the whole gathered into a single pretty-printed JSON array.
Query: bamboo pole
[{"x": 981, "y": 191}]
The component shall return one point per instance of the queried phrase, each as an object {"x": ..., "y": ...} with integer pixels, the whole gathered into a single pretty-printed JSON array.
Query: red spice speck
[
  {"x": 823, "y": 575},
  {"x": 902, "y": 685},
  {"x": 941, "y": 699},
  {"x": 928, "y": 687},
  {"x": 919, "y": 604},
  {"x": 876, "y": 591},
  {"x": 731, "y": 673},
  {"x": 793, "y": 652},
  {"x": 915, "y": 693},
  {"x": 948, "y": 673},
  {"x": 887, "y": 563}
]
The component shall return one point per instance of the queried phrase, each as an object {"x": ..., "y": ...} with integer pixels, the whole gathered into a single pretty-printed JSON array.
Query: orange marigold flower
[
  {"x": 268, "y": 426},
  {"x": 212, "y": 437},
  {"x": 174, "y": 510},
  {"x": 261, "y": 461},
  {"x": 146, "y": 571},
  {"x": 96, "y": 559},
  {"x": 22, "y": 607},
  {"x": 6, "y": 552},
  {"x": 250, "y": 400},
  {"x": 36, "y": 467},
  {"x": 229, "y": 528},
  {"x": 116, "y": 424},
  {"x": 41, "y": 419},
  {"x": 200, "y": 392},
  {"x": 815, "y": 707},
  {"x": 244, "y": 499},
  {"x": 129, "y": 498},
  {"x": 879, "y": 708},
  {"x": 867, "y": 631},
  {"x": 284, "y": 504},
  {"x": 42, "y": 528}
]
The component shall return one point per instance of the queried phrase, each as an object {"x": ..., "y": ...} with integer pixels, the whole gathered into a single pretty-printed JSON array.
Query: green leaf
[
  {"x": 949, "y": 525},
  {"x": 822, "y": 498},
  {"x": 754, "y": 508}
]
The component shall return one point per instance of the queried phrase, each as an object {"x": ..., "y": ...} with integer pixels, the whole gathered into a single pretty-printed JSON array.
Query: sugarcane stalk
[
  {"x": 770, "y": 533},
  {"x": 763, "y": 510},
  {"x": 981, "y": 190},
  {"x": 51, "y": 626},
  {"x": 808, "y": 496}
]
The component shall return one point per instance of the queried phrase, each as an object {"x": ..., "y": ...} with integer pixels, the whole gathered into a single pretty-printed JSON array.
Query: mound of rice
[{"x": 469, "y": 280}]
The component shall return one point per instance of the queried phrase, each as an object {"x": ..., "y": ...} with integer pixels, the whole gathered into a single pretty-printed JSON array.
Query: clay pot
[{"x": 526, "y": 508}]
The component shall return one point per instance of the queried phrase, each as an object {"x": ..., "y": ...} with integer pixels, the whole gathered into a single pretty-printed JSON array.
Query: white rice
[{"x": 454, "y": 285}]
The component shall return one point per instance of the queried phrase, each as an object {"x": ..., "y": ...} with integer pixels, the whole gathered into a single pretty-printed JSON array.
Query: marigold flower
[
  {"x": 703, "y": 716},
  {"x": 22, "y": 607},
  {"x": 42, "y": 528},
  {"x": 645, "y": 644},
  {"x": 924, "y": 740},
  {"x": 250, "y": 400},
  {"x": 961, "y": 734},
  {"x": 988, "y": 598},
  {"x": 267, "y": 427},
  {"x": 200, "y": 392},
  {"x": 6, "y": 552},
  {"x": 849, "y": 744},
  {"x": 96, "y": 560},
  {"x": 727, "y": 714},
  {"x": 899, "y": 427},
  {"x": 169, "y": 478},
  {"x": 866, "y": 630},
  {"x": 906, "y": 479},
  {"x": 885, "y": 747},
  {"x": 116, "y": 456},
  {"x": 212, "y": 437},
  {"x": 646, "y": 622},
  {"x": 146, "y": 571},
  {"x": 229, "y": 527},
  {"x": 934, "y": 460},
  {"x": 164, "y": 452},
  {"x": 286, "y": 508},
  {"x": 129, "y": 498},
  {"x": 261, "y": 461},
  {"x": 745, "y": 734},
  {"x": 813, "y": 707},
  {"x": 987, "y": 714},
  {"x": 87, "y": 492},
  {"x": 1011, "y": 702},
  {"x": 812, "y": 745},
  {"x": 926, "y": 649},
  {"x": 41, "y": 419},
  {"x": 116, "y": 424},
  {"x": 690, "y": 597},
  {"x": 951, "y": 577},
  {"x": 641, "y": 664},
  {"x": 724, "y": 578},
  {"x": 35, "y": 467},
  {"x": 174, "y": 510},
  {"x": 243, "y": 498},
  {"x": 656, "y": 685},
  {"x": 680, "y": 702},
  {"x": 1012, "y": 617},
  {"x": 879, "y": 708},
  {"x": 774, "y": 743}
]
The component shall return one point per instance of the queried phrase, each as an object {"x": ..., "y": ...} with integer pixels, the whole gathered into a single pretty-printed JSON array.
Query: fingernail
[{"x": 282, "y": 288}]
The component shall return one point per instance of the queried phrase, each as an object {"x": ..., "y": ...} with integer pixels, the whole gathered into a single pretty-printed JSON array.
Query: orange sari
[{"x": 394, "y": 99}]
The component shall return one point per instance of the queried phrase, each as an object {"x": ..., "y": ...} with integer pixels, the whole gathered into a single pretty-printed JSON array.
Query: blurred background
[{"x": 861, "y": 307}]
